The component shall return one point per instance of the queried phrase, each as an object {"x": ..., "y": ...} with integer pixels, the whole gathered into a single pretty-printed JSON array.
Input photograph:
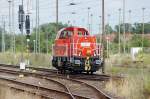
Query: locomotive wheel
[
  {"x": 103, "y": 69},
  {"x": 62, "y": 71},
  {"x": 87, "y": 72},
  {"x": 91, "y": 72}
]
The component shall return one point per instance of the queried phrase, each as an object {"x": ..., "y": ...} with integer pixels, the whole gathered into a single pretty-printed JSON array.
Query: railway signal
[
  {"x": 27, "y": 26},
  {"x": 21, "y": 17}
]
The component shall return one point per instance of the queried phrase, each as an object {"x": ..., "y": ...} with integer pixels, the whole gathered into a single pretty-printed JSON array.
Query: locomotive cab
[{"x": 76, "y": 50}]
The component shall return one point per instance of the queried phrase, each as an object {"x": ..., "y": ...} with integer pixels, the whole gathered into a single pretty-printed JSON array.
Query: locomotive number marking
[{"x": 85, "y": 44}]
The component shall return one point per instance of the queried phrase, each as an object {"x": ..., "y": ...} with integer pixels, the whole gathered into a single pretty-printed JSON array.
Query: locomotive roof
[{"x": 72, "y": 28}]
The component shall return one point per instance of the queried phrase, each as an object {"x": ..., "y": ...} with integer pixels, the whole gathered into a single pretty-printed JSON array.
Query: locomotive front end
[
  {"x": 76, "y": 50},
  {"x": 88, "y": 54}
]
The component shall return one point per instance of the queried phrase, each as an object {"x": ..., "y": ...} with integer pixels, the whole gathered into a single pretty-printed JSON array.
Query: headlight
[
  {"x": 98, "y": 62},
  {"x": 77, "y": 62}
]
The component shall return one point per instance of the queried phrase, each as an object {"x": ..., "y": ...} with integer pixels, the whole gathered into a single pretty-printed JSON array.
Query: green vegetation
[
  {"x": 47, "y": 31},
  {"x": 36, "y": 60},
  {"x": 136, "y": 81}
]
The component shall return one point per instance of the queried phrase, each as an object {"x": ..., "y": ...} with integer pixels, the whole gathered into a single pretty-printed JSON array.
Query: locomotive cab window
[
  {"x": 86, "y": 34},
  {"x": 65, "y": 34},
  {"x": 82, "y": 33}
]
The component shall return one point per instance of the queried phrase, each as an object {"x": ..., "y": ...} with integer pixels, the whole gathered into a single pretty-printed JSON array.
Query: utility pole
[
  {"x": 4, "y": 44},
  {"x": 57, "y": 16},
  {"x": 103, "y": 34},
  {"x": 3, "y": 35},
  {"x": 47, "y": 43},
  {"x": 119, "y": 32},
  {"x": 36, "y": 30},
  {"x": 100, "y": 29},
  {"x": 13, "y": 28},
  {"x": 91, "y": 28},
  {"x": 34, "y": 45},
  {"x": 108, "y": 16},
  {"x": 143, "y": 26},
  {"x": 124, "y": 30},
  {"x": 73, "y": 22},
  {"x": 130, "y": 21},
  {"x": 130, "y": 26},
  {"x": 39, "y": 27},
  {"x": 88, "y": 21},
  {"x": 11, "y": 44},
  {"x": 108, "y": 41}
]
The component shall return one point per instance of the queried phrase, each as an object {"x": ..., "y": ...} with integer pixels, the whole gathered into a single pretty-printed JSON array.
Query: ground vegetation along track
[
  {"x": 75, "y": 87},
  {"x": 74, "y": 96}
]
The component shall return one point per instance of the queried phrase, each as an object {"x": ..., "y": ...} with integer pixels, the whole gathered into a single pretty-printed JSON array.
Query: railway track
[
  {"x": 53, "y": 89},
  {"x": 50, "y": 72},
  {"x": 71, "y": 87}
]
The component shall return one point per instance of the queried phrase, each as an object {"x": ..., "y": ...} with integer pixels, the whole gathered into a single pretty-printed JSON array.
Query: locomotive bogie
[{"x": 76, "y": 64}]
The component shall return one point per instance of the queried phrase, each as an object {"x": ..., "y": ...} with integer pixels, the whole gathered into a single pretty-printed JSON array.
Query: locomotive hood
[{"x": 86, "y": 46}]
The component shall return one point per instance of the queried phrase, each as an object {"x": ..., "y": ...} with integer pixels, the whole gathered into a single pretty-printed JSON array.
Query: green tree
[
  {"x": 139, "y": 26},
  {"x": 128, "y": 28},
  {"x": 137, "y": 41},
  {"x": 108, "y": 29},
  {"x": 46, "y": 31}
]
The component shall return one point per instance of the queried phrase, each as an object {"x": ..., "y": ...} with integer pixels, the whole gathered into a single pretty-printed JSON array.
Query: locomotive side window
[
  {"x": 62, "y": 35},
  {"x": 65, "y": 34},
  {"x": 85, "y": 33},
  {"x": 80, "y": 33},
  {"x": 69, "y": 33}
]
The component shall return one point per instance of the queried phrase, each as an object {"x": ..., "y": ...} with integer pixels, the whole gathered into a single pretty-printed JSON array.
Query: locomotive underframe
[{"x": 77, "y": 64}]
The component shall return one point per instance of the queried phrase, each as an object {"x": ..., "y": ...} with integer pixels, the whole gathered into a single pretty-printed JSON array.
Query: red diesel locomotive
[{"x": 76, "y": 50}]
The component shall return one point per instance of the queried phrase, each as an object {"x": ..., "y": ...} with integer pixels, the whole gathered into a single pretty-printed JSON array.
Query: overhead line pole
[
  {"x": 124, "y": 30},
  {"x": 13, "y": 19},
  {"x": 100, "y": 29},
  {"x": 88, "y": 21},
  {"x": 4, "y": 44},
  {"x": 91, "y": 27},
  {"x": 3, "y": 35},
  {"x": 130, "y": 27},
  {"x": 39, "y": 27},
  {"x": 143, "y": 26},
  {"x": 103, "y": 33},
  {"x": 109, "y": 34},
  {"x": 119, "y": 41},
  {"x": 36, "y": 26},
  {"x": 11, "y": 45},
  {"x": 57, "y": 16}
]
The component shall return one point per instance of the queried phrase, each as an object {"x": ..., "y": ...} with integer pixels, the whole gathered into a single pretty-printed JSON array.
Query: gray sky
[{"x": 47, "y": 11}]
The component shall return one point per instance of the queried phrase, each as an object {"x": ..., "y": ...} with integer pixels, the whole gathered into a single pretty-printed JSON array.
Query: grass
[
  {"x": 136, "y": 84},
  {"x": 36, "y": 60}
]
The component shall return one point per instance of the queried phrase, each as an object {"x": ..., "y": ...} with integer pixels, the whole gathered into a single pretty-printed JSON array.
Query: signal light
[
  {"x": 21, "y": 17},
  {"x": 27, "y": 36},
  {"x": 27, "y": 24}
]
